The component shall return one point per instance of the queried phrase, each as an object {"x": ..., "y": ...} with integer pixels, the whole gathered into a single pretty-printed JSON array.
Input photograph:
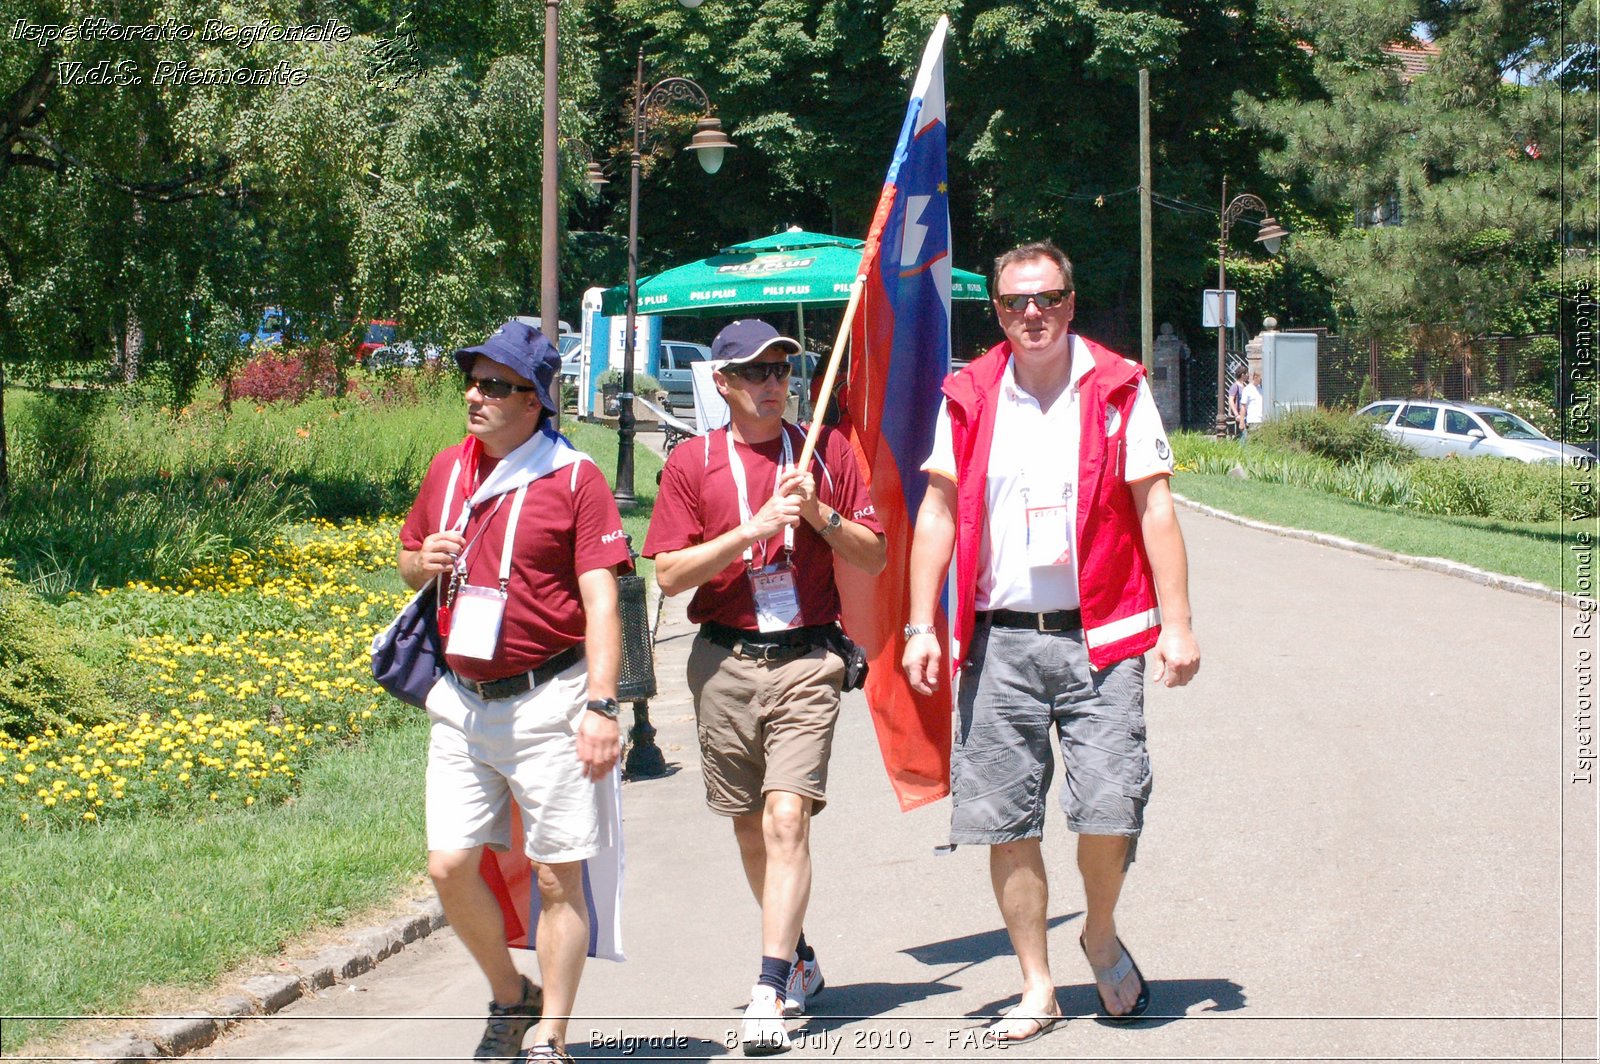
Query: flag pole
[{"x": 832, "y": 372}]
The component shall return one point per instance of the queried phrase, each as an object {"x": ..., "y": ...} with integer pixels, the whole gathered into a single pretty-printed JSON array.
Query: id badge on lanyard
[
  {"x": 777, "y": 598},
  {"x": 471, "y": 618},
  {"x": 1049, "y": 531},
  {"x": 772, "y": 586},
  {"x": 475, "y": 618}
]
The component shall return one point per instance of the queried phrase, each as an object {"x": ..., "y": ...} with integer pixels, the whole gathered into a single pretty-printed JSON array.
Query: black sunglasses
[
  {"x": 757, "y": 372},
  {"x": 495, "y": 388},
  {"x": 1018, "y": 303}
]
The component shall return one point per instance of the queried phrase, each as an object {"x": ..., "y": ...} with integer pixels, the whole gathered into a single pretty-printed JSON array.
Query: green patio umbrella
[{"x": 790, "y": 269}]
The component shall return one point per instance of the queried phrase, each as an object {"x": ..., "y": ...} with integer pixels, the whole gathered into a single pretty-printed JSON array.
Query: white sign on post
[{"x": 1208, "y": 307}]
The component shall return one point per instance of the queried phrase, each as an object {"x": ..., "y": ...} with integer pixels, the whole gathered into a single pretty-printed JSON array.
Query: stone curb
[
  {"x": 173, "y": 1036},
  {"x": 1437, "y": 565}
]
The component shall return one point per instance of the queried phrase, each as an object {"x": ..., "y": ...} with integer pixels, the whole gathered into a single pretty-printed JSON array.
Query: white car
[{"x": 1436, "y": 429}]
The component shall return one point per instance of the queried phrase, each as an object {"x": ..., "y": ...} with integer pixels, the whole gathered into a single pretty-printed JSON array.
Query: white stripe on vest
[{"x": 1121, "y": 629}]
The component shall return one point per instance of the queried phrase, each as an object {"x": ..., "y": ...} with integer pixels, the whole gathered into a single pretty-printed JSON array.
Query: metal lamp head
[
  {"x": 1271, "y": 235},
  {"x": 709, "y": 143},
  {"x": 595, "y": 176},
  {"x": 690, "y": 4}
]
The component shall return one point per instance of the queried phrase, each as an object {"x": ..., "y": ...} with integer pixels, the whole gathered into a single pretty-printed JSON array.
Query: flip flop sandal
[
  {"x": 1115, "y": 975},
  {"x": 1043, "y": 1025}
]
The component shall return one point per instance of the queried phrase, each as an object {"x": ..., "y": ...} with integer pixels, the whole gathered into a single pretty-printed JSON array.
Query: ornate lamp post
[
  {"x": 1271, "y": 237},
  {"x": 710, "y": 144},
  {"x": 549, "y": 202}
]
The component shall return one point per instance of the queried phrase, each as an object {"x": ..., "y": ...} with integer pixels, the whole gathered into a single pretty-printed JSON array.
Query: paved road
[{"x": 1363, "y": 843}]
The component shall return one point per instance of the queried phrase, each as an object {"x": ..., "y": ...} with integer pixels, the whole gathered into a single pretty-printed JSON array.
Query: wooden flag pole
[{"x": 832, "y": 372}]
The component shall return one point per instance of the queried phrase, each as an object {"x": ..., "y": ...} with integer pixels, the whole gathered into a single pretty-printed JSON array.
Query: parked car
[
  {"x": 1435, "y": 429},
  {"x": 674, "y": 372},
  {"x": 379, "y": 333},
  {"x": 405, "y": 354},
  {"x": 570, "y": 344},
  {"x": 268, "y": 331}
]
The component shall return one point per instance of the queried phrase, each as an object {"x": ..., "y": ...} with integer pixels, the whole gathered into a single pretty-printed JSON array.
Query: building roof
[{"x": 1416, "y": 57}]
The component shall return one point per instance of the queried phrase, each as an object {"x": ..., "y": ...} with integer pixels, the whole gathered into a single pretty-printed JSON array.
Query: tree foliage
[{"x": 1463, "y": 165}]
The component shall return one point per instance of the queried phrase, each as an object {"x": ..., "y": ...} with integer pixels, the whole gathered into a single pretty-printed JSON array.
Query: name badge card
[
  {"x": 1049, "y": 539},
  {"x": 777, "y": 600},
  {"x": 475, "y": 618}
]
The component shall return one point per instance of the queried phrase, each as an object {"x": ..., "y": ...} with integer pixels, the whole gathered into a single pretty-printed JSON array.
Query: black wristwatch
[
  {"x": 831, "y": 525},
  {"x": 606, "y": 707}
]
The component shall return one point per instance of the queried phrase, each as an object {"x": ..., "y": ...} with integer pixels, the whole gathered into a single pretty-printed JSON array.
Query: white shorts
[{"x": 481, "y": 754}]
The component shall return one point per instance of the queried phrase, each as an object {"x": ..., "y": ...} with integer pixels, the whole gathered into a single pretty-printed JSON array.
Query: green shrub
[
  {"x": 643, "y": 383},
  {"x": 45, "y": 681},
  {"x": 1342, "y": 437},
  {"x": 1488, "y": 487}
]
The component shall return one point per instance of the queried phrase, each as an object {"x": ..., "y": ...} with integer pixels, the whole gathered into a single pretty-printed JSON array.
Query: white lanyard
[{"x": 736, "y": 467}]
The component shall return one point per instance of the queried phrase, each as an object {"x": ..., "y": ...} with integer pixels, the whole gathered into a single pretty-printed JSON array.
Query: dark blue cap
[
  {"x": 523, "y": 348},
  {"x": 745, "y": 339}
]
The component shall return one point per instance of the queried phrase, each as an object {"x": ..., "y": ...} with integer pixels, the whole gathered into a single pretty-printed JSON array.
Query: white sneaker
[
  {"x": 805, "y": 982},
  {"x": 763, "y": 1031}
]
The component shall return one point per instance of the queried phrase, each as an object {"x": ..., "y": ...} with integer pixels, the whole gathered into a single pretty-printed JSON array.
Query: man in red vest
[{"x": 1048, "y": 482}]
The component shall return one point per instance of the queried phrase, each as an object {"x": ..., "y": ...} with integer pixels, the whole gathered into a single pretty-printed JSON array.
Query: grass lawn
[
  {"x": 96, "y": 915},
  {"x": 1539, "y": 552}
]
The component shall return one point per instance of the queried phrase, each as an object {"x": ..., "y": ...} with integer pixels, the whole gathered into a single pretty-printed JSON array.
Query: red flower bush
[{"x": 285, "y": 376}]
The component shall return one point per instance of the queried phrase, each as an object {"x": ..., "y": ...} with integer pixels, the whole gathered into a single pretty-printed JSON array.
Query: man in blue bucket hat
[{"x": 523, "y": 534}]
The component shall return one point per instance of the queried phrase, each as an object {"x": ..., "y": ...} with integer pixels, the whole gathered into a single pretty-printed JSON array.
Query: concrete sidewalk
[{"x": 1363, "y": 843}]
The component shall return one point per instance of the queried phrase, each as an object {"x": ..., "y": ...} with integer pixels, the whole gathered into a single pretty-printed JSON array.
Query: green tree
[{"x": 1439, "y": 191}]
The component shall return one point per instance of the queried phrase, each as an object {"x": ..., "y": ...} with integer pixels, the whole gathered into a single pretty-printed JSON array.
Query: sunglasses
[
  {"x": 1018, "y": 303},
  {"x": 495, "y": 388},
  {"x": 758, "y": 372}
]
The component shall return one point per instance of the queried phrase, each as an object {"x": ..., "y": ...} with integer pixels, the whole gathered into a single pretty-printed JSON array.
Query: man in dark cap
[
  {"x": 758, "y": 537},
  {"x": 523, "y": 534}
]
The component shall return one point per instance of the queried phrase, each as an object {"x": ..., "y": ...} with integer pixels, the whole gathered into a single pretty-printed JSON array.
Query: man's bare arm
[{"x": 1177, "y": 652}]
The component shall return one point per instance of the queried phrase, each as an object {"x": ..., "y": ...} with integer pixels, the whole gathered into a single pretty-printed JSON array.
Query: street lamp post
[
  {"x": 1271, "y": 236},
  {"x": 709, "y": 143},
  {"x": 550, "y": 201}
]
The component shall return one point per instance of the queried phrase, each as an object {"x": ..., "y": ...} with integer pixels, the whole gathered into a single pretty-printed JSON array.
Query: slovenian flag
[
  {"x": 510, "y": 878},
  {"x": 900, "y": 353}
]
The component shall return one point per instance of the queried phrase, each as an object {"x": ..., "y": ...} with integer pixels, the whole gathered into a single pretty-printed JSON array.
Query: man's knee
[
  {"x": 451, "y": 869},
  {"x": 786, "y": 820},
  {"x": 560, "y": 884}
]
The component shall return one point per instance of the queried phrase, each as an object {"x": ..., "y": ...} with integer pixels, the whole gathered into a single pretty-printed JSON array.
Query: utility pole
[{"x": 1147, "y": 328}]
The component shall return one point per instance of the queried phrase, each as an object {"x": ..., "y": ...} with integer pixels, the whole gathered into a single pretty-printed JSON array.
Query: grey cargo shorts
[{"x": 1017, "y": 683}]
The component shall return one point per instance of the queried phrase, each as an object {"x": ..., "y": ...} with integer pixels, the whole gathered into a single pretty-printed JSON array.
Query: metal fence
[{"x": 1436, "y": 363}]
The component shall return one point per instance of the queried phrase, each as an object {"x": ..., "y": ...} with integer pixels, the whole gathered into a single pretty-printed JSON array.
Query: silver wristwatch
[
  {"x": 831, "y": 525},
  {"x": 918, "y": 629},
  {"x": 606, "y": 707}
]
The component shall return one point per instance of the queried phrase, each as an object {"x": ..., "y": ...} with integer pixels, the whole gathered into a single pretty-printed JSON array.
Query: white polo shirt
[{"x": 1027, "y": 560}]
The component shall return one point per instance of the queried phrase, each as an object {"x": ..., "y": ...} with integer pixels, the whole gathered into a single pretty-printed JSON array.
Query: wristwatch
[
  {"x": 606, "y": 707},
  {"x": 918, "y": 629},
  {"x": 831, "y": 525}
]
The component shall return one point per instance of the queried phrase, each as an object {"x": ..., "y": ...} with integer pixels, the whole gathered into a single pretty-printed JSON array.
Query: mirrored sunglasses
[
  {"x": 1048, "y": 300},
  {"x": 495, "y": 388},
  {"x": 758, "y": 372}
]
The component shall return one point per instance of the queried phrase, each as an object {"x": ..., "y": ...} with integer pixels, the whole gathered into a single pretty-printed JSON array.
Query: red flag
[{"x": 900, "y": 346}]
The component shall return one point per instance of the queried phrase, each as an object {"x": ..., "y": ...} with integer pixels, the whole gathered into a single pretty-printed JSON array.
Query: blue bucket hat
[{"x": 523, "y": 348}]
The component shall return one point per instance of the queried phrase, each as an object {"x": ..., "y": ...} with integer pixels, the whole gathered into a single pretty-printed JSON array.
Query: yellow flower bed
[{"x": 239, "y": 716}]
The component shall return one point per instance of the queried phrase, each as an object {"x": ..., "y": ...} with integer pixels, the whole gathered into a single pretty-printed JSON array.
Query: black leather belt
[
  {"x": 768, "y": 646},
  {"x": 1054, "y": 621},
  {"x": 522, "y": 682}
]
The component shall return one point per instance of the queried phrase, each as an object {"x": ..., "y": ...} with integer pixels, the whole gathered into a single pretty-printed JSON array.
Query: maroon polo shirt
[
  {"x": 699, "y": 501},
  {"x": 569, "y": 525}
]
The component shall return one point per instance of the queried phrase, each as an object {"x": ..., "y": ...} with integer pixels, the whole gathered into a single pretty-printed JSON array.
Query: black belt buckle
[
  {"x": 763, "y": 651},
  {"x": 506, "y": 687}
]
